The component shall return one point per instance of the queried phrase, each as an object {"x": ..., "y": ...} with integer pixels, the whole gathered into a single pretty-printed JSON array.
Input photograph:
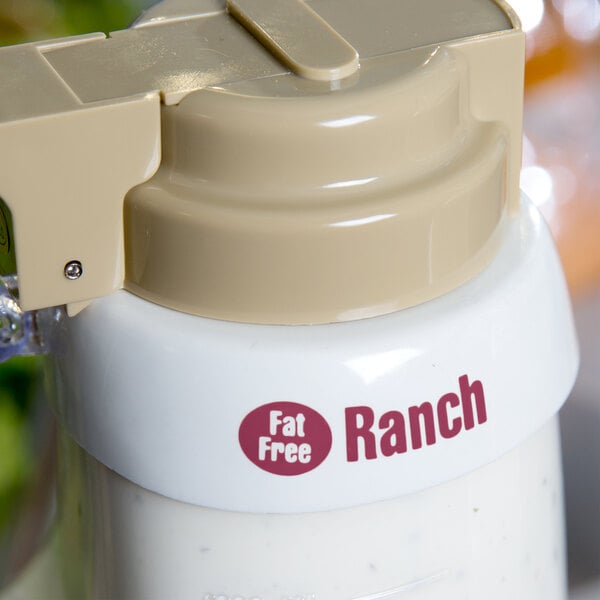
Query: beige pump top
[{"x": 305, "y": 162}]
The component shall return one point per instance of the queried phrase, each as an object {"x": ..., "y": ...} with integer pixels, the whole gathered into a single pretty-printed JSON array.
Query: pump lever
[{"x": 297, "y": 36}]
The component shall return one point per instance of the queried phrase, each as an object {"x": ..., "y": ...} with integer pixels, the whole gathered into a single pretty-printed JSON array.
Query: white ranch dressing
[{"x": 496, "y": 533}]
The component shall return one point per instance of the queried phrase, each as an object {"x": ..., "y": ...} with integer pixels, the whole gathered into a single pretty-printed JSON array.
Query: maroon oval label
[{"x": 285, "y": 438}]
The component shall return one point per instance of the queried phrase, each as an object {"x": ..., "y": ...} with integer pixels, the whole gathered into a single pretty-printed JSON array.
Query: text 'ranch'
[{"x": 394, "y": 432}]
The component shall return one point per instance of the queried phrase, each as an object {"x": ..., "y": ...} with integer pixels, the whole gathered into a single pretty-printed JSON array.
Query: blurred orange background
[{"x": 561, "y": 163}]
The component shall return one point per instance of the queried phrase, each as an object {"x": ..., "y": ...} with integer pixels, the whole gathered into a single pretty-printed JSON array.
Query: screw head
[{"x": 73, "y": 270}]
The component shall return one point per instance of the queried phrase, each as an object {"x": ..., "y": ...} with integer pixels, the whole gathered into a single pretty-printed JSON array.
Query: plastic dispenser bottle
[{"x": 315, "y": 342}]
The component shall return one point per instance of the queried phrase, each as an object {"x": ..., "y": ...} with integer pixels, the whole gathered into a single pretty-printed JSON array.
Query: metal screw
[{"x": 73, "y": 270}]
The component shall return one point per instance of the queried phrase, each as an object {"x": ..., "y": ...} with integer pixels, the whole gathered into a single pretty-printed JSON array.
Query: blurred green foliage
[
  {"x": 29, "y": 20},
  {"x": 19, "y": 381}
]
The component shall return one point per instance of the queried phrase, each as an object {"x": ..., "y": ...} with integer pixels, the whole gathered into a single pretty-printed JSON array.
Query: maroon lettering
[
  {"x": 393, "y": 441},
  {"x": 446, "y": 402},
  {"x": 359, "y": 420},
  {"x": 467, "y": 393},
  {"x": 415, "y": 413},
  {"x": 426, "y": 423}
]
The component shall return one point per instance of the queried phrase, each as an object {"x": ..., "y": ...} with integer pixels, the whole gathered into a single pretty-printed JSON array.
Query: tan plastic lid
[{"x": 321, "y": 161}]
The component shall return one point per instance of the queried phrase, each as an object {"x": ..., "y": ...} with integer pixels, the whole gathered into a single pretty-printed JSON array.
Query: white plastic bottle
[
  {"x": 478, "y": 515},
  {"x": 335, "y": 367}
]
